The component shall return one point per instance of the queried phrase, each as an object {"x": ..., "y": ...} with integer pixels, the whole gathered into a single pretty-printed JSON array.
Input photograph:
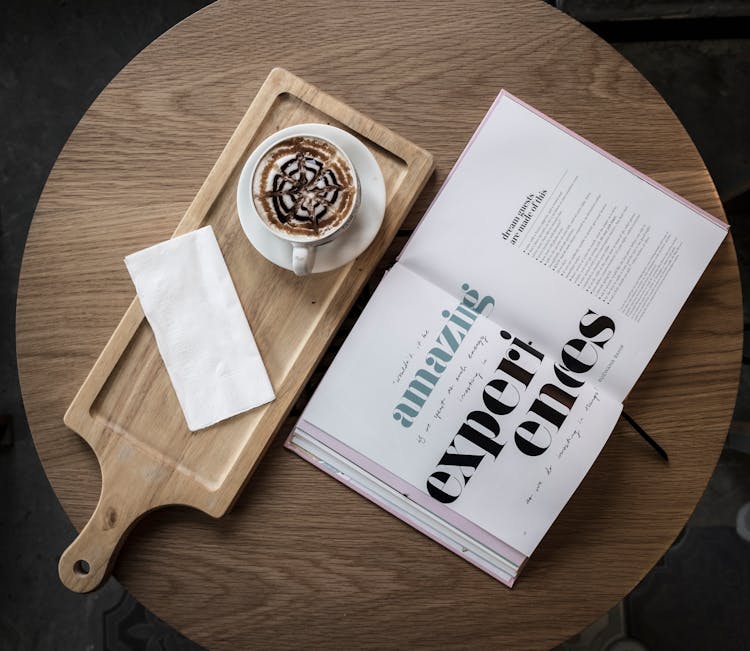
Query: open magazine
[{"x": 489, "y": 367}]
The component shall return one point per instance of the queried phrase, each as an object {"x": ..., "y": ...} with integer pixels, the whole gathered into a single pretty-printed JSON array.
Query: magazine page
[
  {"x": 431, "y": 389},
  {"x": 592, "y": 260}
]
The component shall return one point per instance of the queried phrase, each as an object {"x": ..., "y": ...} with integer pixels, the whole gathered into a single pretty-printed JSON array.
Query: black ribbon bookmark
[{"x": 660, "y": 450}]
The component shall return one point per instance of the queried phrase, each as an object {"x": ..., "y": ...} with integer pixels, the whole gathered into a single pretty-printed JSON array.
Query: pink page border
[{"x": 411, "y": 492}]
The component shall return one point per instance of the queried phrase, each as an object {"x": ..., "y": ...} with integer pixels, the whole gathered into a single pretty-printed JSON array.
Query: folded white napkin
[{"x": 203, "y": 336}]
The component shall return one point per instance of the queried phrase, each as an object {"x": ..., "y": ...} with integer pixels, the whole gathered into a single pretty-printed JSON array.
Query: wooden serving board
[{"x": 127, "y": 409}]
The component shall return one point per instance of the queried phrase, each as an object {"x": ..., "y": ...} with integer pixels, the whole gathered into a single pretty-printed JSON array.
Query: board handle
[{"x": 87, "y": 562}]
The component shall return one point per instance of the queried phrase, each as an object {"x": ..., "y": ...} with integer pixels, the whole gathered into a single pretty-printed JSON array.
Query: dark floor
[{"x": 56, "y": 56}]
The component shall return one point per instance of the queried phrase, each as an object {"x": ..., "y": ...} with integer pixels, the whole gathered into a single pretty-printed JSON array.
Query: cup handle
[{"x": 303, "y": 259}]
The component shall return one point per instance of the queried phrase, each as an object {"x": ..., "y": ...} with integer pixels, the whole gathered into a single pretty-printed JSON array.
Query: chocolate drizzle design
[{"x": 304, "y": 186}]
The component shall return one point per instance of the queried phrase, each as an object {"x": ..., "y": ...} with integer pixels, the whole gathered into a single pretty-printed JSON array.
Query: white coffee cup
[{"x": 305, "y": 190}]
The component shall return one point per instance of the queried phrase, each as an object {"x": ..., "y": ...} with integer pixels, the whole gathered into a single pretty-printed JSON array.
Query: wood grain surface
[
  {"x": 127, "y": 410},
  {"x": 301, "y": 561}
]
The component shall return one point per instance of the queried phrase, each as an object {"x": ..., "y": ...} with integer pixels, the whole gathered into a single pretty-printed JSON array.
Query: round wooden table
[{"x": 302, "y": 561}]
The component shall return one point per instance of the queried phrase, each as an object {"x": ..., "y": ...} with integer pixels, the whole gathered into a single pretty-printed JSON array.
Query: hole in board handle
[{"x": 81, "y": 568}]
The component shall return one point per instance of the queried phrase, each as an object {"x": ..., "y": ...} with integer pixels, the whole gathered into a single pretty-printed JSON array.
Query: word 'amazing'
[{"x": 451, "y": 335}]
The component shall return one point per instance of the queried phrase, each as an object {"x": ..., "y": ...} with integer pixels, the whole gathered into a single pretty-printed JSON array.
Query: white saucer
[{"x": 351, "y": 242}]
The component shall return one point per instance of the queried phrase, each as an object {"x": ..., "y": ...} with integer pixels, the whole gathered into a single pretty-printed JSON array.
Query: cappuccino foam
[{"x": 304, "y": 186}]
